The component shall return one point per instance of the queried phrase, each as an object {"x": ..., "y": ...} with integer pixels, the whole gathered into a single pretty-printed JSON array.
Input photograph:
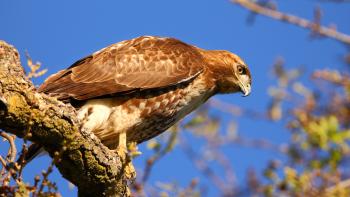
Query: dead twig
[
  {"x": 8, "y": 163},
  {"x": 34, "y": 68},
  {"x": 202, "y": 165},
  {"x": 314, "y": 26},
  {"x": 158, "y": 155},
  {"x": 11, "y": 156}
]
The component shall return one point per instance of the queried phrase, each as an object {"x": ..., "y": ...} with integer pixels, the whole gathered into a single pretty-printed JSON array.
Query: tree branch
[
  {"x": 295, "y": 20},
  {"x": 84, "y": 160}
]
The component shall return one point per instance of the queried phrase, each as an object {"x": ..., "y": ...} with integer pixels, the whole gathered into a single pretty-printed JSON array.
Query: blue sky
[{"x": 57, "y": 33}]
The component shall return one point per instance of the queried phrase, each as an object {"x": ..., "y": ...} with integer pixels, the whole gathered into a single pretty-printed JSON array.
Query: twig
[
  {"x": 335, "y": 1},
  {"x": 34, "y": 68},
  {"x": 20, "y": 161},
  {"x": 204, "y": 168},
  {"x": 3, "y": 162},
  {"x": 13, "y": 150},
  {"x": 257, "y": 143},
  {"x": 9, "y": 166},
  {"x": 342, "y": 184},
  {"x": 332, "y": 76},
  {"x": 138, "y": 187},
  {"x": 222, "y": 159},
  {"x": 158, "y": 155},
  {"x": 234, "y": 110},
  {"x": 295, "y": 20},
  {"x": 45, "y": 181}
]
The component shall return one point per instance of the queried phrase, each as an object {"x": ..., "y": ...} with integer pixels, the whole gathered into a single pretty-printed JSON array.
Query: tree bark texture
[{"x": 83, "y": 159}]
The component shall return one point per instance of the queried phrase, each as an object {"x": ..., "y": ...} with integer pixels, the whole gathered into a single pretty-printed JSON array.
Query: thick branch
[
  {"x": 84, "y": 160},
  {"x": 315, "y": 27}
]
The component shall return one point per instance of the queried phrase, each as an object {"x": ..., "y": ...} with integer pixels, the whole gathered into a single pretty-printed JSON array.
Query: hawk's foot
[
  {"x": 126, "y": 159},
  {"x": 122, "y": 152},
  {"x": 130, "y": 171}
]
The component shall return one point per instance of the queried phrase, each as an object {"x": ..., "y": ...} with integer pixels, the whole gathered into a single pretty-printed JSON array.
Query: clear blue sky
[{"x": 57, "y": 33}]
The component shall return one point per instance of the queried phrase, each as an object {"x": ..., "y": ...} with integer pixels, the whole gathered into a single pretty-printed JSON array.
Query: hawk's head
[{"x": 231, "y": 73}]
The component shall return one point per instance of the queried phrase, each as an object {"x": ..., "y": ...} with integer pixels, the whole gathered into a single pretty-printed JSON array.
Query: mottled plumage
[{"x": 142, "y": 86}]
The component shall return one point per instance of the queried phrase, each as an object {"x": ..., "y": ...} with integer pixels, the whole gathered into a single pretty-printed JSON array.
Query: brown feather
[{"x": 137, "y": 64}]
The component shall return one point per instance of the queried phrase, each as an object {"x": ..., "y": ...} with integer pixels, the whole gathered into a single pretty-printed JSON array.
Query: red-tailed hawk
[{"x": 134, "y": 90}]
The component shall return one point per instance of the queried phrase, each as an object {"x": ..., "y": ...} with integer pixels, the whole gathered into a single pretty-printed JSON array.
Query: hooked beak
[
  {"x": 245, "y": 88},
  {"x": 244, "y": 83}
]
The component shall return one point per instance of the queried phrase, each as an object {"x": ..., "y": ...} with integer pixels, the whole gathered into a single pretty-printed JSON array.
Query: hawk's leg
[{"x": 122, "y": 151}]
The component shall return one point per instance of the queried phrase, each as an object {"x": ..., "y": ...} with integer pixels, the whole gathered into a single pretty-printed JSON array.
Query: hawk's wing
[{"x": 141, "y": 63}]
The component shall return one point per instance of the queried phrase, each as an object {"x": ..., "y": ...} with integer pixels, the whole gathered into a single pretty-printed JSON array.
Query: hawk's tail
[{"x": 33, "y": 151}]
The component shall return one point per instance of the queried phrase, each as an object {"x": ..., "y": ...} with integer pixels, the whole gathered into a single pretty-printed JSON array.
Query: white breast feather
[
  {"x": 105, "y": 117},
  {"x": 101, "y": 116}
]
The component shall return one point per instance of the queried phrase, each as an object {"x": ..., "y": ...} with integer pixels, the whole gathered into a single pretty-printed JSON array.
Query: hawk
[{"x": 136, "y": 89}]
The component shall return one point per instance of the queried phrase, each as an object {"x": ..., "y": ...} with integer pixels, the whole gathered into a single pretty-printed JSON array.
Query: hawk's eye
[{"x": 241, "y": 70}]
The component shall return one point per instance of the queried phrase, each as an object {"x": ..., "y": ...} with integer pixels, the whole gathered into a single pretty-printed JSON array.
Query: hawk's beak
[
  {"x": 245, "y": 88},
  {"x": 244, "y": 84}
]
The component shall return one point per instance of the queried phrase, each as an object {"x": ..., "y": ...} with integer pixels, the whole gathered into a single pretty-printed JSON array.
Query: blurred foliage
[
  {"x": 316, "y": 112},
  {"x": 319, "y": 147}
]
